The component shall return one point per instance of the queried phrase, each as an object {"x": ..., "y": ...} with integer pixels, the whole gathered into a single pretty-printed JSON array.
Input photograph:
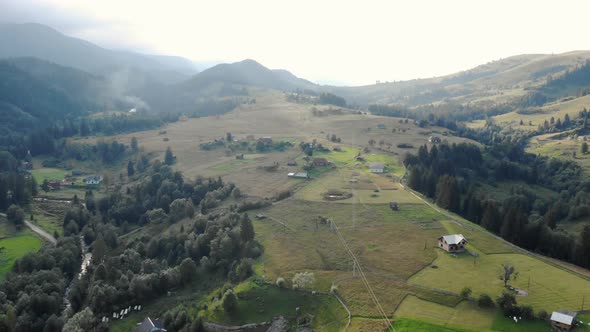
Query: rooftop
[
  {"x": 563, "y": 318},
  {"x": 376, "y": 165},
  {"x": 454, "y": 238}
]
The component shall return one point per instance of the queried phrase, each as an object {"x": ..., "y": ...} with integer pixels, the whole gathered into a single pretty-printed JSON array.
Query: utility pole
[{"x": 528, "y": 286}]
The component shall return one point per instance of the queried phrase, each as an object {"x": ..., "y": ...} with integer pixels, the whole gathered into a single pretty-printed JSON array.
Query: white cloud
[{"x": 349, "y": 41}]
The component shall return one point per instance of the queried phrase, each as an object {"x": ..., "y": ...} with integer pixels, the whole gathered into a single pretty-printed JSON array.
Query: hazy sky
[{"x": 352, "y": 42}]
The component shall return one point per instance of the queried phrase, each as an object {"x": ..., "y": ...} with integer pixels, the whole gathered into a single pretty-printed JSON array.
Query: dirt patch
[{"x": 336, "y": 195}]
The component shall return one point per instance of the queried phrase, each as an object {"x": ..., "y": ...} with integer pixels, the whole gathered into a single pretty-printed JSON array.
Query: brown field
[{"x": 272, "y": 116}]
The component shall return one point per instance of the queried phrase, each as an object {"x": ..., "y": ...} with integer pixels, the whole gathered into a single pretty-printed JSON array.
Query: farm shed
[
  {"x": 320, "y": 162},
  {"x": 376, "y": 167},
  {"x": 563, "y": 319},
  {"x": 452, "y": 243}
]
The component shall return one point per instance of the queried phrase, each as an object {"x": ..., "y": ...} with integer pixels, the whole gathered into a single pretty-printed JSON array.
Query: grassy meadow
[
  {"x": 14, "y": 244},
  {"x": 396, "y": 249}
]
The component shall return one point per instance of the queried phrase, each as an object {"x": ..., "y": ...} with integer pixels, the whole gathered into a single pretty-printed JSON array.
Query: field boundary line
[{"x": 345, "y": 308}]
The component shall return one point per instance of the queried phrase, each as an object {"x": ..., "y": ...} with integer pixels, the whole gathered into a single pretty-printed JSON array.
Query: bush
[
  {"x": 334, "y": 289},
  {"x": 543, "y": 315},
  {"x": 303, "y": 280},
  {"x": 465, "y": 293},
  {"x": 281, "y": 283},
  {"x": 230, "y": 301},
  {"x": 485, "y": 301},
  {"x": 526, "y": 312},
  {"x": 15, "y": 215}
]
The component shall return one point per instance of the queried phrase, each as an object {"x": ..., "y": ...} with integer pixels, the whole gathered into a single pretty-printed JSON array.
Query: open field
[
  {"x": 272, "y": 116},
  {"x": 44, "y": 173},
  {"x": 260, "y": 303},
  {"x": 563, "y": 148},
  {"x": 548, "y": 287},
  {"x": 14, "y": 245},
  {"x": 556, "y": 110},
  {"x": 395, "y": 248}
]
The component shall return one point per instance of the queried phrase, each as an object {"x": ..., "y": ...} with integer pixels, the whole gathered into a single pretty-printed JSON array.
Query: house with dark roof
[
  {"x": 320, "y": 162},
  {"x": 452, "y": 243},
  {"x": 147, "y": 325}
]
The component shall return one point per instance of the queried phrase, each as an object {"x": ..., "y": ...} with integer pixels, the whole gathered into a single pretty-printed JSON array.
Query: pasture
[
  {"x": 273, "y": 116},
  {"x": 260, "y": 303},
  {"x": 538, "y": 116},
  {"x": 15, "y": 247},
  {"x": 46, "y": 173}
]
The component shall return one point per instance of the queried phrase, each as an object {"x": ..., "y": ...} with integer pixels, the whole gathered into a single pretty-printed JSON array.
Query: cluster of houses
[{"x": 68, "y": 180}]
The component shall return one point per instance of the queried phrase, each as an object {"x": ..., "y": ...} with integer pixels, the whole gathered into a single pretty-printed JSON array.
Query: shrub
[
  {"x": 465, "y": 293},
  {"x": 334, "y": 289},
  {"x": 485, "y": 301},
  {"x": 526, "y": 312},
  {"x": 303, "y": 280},
  {"x": 230, "y": 301},
  {"x": 281, "y": 283},
  {"x": 543, "y": 315}
]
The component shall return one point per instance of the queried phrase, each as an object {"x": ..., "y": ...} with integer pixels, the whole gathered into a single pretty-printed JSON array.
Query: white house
[
  {"x": 452, "y": 243},
  {"x": 376, "y": 167},
  {"x": 93, "y": 180}
]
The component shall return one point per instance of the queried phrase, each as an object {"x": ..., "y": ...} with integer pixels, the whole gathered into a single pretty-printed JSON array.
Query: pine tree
[
  {"x": 490, "y": 219},
  {"x": 134, "y": 144},
  {"x": 169, "y": 157},
  {"x": 130, "y": 168},
  {"x": 566, "y": 120}
]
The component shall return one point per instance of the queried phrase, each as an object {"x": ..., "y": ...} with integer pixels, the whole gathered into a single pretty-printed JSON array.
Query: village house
[
  {"x": 376, "y": 167},
  {"x": 291, "y": 162},
  {"x": 26, "y": 165},
  {"x": 54, "y": 184},
  {"x": 266, "y": 140},
  {"x": 563, "y": 320},
  {"x": 452, "y": 243},
  {"x": 93, "y": 180},
  {"x": 147, "y": 325},
  {"x": 434, "y": 139},
  {"x": 320, "y": 162}
]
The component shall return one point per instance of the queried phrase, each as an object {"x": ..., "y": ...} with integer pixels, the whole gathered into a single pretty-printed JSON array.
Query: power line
[{"x": 363, "y": 277}]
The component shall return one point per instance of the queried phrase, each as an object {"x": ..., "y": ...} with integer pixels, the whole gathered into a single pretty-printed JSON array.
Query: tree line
[{"x": 452, "y": 176}]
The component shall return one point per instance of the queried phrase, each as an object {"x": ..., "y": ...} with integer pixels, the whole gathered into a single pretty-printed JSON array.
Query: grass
[
  {"x": 557, "y": 110},
  {"x": 15, "y": 248},
  {"x": 363, "y": 189},
  {"x": 260, "y": 303},
  {"x": 406, "y": 237},
  {"x": 390, "y": 292},
  {"x": 466, "y": 314},
  {"x": 548, "y": 145},
  {"x": 41, "y": 174},
  {"x": 479, "y": 241},
  {"x": 550, "y": 288}
]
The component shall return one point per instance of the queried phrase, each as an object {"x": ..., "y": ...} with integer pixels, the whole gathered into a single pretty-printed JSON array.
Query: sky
[{"x": 340, "y": 42}]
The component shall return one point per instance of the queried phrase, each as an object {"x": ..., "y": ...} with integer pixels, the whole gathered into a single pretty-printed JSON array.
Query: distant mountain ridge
[
  {"x": 248, "y": 73},
  {"x": 43, "y": 42}
]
